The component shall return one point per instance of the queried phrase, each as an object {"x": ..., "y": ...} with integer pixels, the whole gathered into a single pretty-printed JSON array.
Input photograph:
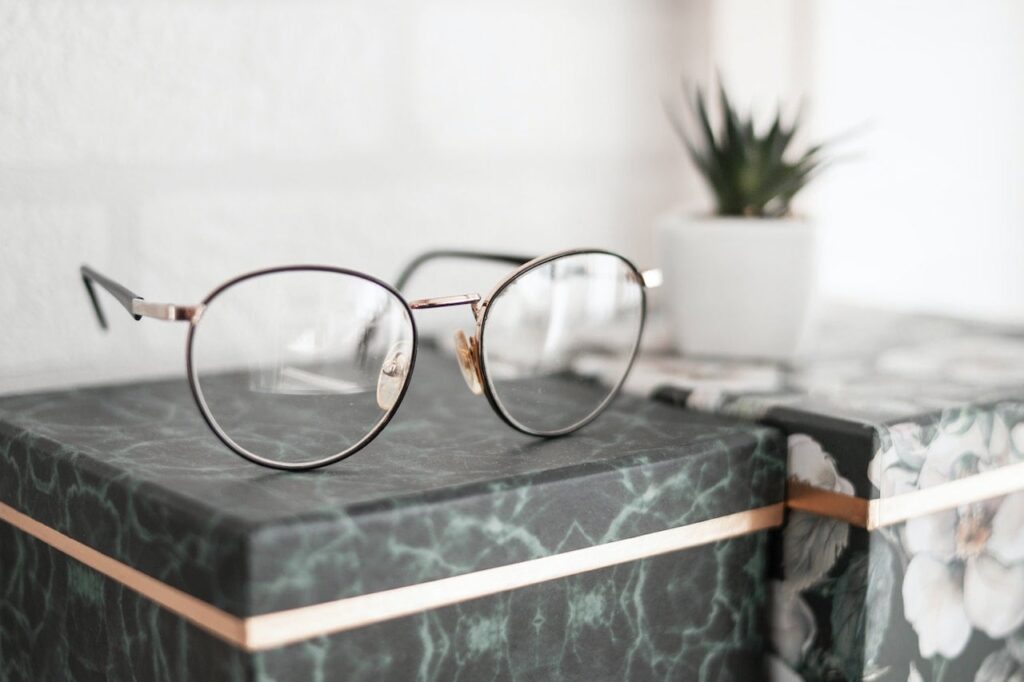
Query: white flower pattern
[
  {"x": 966, "y": 568},
  {"x": 792, "y": 632}
]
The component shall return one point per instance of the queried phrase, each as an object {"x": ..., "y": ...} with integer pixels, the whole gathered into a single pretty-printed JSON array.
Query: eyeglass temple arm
[
  {"x": 136, "y": 306},
  {"x": 409, "y": 270},
  {"x": 123, "y": 294}
]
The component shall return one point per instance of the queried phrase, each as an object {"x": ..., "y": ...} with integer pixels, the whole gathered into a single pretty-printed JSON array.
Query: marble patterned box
[
  {"x": 134, "y": 546},
  {"x": 903, "y": 551}
]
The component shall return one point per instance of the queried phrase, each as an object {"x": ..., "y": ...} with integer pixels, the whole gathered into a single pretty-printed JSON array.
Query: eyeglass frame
[{"x": 475, "y": 362}]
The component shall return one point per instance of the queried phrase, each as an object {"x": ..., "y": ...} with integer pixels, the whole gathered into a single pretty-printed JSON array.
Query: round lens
[
  {"x": 543, "y": 331},
  {"x": 299, "y": 367}
]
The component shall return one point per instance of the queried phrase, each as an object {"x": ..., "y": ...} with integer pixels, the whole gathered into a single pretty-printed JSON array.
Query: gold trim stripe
[
  {"x": 280, "y": 628},
  {"x": 808, "y": 498},
  {"x": 215, "y": 621},
  {"x": 887, "y": 511}
]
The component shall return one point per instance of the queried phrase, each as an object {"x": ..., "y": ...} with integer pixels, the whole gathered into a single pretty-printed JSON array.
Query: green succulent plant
[{"x": 751, "y": 173}]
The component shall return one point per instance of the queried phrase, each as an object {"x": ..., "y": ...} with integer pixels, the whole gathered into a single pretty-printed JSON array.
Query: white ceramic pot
[{"x": 737, "y": 287}]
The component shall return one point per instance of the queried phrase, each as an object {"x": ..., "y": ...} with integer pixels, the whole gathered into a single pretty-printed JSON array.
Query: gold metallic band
[
  {"x": 808, "y": 498},
  {"x": 886, "y": 511},
  {"x": 271, "y": 630},
  {"x": 199, "y": 613}
]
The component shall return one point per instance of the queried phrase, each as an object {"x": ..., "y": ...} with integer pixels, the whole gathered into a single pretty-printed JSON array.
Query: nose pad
[
  {"x": 393, "y": 374},
  {"x": 469, "y": 361}
]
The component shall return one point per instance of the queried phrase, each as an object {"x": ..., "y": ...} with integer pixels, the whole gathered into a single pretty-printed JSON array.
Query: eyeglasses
[{"x": 298, "y": 367}]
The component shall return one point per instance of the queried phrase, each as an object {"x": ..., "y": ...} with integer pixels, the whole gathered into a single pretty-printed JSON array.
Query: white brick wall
[{"x": 173, "y": 144}]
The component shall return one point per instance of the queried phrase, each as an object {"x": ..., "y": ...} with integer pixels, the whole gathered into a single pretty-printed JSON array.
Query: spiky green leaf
[{"x": 749, "y": 172}]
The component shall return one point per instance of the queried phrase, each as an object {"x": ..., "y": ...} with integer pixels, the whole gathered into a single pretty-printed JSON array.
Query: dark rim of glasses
[
  {"x": 482, "y": 322},
  {"x": 208, "y": 417}
]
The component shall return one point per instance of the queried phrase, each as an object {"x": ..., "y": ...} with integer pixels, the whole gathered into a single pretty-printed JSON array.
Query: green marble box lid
[{"x": 447, "y": 489}]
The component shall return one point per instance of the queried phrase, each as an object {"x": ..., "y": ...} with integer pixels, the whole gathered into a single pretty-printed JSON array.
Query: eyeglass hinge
[
  {"x": 171, "y": 312},
  {"x": 653, "y": 278}
]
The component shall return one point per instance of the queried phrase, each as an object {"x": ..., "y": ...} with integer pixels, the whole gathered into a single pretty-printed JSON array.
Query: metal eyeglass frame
[{"x": 469, "y": 351}]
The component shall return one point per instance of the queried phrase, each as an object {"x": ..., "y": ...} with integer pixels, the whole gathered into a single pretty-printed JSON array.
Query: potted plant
[{"x": 739, "y": 282}]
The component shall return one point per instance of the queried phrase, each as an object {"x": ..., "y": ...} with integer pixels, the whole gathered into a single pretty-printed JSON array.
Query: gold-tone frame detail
[
  {"x": 445, "y": 301},
  {"x": 171, "y": 312},
  {"x": 271, "y": 630}
]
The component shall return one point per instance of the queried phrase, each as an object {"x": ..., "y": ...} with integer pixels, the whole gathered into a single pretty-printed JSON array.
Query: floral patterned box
[
  {"x": 134, "y": 546},
  {"x": 903, "y": 552}
]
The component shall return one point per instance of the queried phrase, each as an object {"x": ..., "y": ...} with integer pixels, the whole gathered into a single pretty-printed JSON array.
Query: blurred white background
[{"x": 174, "y": 144}]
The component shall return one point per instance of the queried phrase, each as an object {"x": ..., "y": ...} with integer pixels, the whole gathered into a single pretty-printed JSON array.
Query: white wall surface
[
  {"x": 175, "y": 144},
  {"x": 932, "y": 214},
  {"x": 929, "y": 214}
]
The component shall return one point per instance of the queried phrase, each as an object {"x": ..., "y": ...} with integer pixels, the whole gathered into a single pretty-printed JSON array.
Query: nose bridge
[
  {"x": 467, "y": 350},
  {"x": 445, "y": 301}
]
